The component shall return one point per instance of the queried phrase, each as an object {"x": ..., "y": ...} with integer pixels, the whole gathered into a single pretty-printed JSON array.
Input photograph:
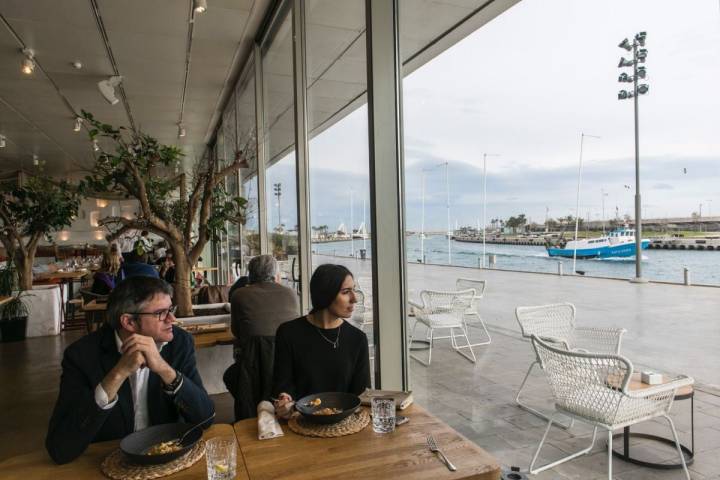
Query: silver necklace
[{"x": 336, "y": 343}]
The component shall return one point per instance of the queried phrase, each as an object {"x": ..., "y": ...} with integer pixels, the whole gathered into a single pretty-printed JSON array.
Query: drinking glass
[
  {"x": 220, "y": 455},
  {"x": 383, "y": 414}
]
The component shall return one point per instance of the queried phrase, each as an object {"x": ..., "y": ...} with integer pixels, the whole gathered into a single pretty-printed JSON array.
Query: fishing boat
[{"x": 616, "y": 244}]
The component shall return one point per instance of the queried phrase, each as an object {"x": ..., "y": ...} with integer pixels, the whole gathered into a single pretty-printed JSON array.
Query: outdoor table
[
  {"x": 38, "y": 465},
  {"x": 402, "y": 454},
  {"x": 681, "y": 394}
]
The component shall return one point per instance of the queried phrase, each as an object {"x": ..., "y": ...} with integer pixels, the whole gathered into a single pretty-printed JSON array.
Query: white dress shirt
[{"x": 138, "y": 387}]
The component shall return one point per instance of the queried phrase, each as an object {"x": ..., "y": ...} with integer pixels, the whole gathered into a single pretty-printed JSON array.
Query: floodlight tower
[
  {"x": 639, "y": 56},
  {"x": 277, "y": 191}
]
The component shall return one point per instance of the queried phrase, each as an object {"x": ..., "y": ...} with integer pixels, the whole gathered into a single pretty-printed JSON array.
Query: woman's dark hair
[{"x": 325, "y": 285}]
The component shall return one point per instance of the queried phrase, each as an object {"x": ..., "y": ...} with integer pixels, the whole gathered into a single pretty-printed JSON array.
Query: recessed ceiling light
[
  {"x": 28, "y": 64},
  {"x": 77, "y": 65},
  {"x": 2, "y": 141},
  {"x": 36, "y": 160},
  {"x": 199, "y": 6}
]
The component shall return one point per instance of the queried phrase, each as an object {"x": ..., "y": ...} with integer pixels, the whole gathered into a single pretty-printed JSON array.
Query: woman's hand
[{"x": 284, "y": 405}]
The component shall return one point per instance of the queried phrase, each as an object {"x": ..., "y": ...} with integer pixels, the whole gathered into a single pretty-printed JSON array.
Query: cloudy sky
[{"x": 525, "y": 87}]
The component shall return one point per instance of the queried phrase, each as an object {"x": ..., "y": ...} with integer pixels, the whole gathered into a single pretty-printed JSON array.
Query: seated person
[
  {"x": 256, "y": 311},
  {"x": 136, "y": 265},
  {"x": 321, "y": 352},
  {"x": 104, "y": 280},
  {"x": 241, "y": 282},
  {"x": 167, "y": 268},
  {"x": 136, "y": 371}
]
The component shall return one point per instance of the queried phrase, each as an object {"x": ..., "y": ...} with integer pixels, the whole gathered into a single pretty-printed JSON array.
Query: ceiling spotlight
[
  {"x": 2, "y": 141},
  {"x": 622, "y": 94},
  {"x": 626, "y": 45},
  {"x": 96, "y": 147},
  {"x": 36, "y": 160},
  {"x": 625, "y": 63},
  {"x": 624, "y": 77},
  {"x": 78, "y": 124},
  {"x": 107, "y": 88},
  {"x": 77, "y": 65},
  {"x": 641, "y": 72},
  {"x": 643, "y": 89},
  {"x": 199, "y": 6},
  {"x": 642, "y": 53},
  {"x": 28, "y": 65},
  {"x": 181, "y": 130}
]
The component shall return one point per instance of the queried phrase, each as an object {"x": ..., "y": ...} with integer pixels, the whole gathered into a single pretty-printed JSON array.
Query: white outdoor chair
[
  {"x": 593, "y": 388},
  {"x": 474, "y": 309},
  {"x": 556, "y": 323},
  {"x": 444, "y": 310}
]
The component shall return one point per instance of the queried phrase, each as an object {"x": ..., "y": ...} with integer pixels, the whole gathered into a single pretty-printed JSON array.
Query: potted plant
[
  {"x": 13, "y": 309},
  {"x": 186, "y": 216}
]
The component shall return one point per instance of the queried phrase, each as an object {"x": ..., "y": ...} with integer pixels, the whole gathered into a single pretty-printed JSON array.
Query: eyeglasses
[{"x": 160, "y": 315}]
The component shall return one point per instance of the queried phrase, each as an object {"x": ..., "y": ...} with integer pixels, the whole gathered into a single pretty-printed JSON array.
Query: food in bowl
[
  {"x": 327, "y": 411},
  {"x": 315, "y": 402},
  {"x": 164, "y": 447}
]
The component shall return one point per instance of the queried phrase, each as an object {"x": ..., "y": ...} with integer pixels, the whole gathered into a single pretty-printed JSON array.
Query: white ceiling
[{"x": 148, "y": 40}]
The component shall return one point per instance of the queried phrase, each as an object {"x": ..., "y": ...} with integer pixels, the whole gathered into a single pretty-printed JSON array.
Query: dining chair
[
  {"x": 593, "y": 388},
  {"x": 556, "y": 323},
  {"x": 445, "y": 311}
]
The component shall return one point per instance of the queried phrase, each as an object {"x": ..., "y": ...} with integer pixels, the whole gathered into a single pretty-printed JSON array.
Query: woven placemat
[
  {"x": 117, "y": 466},
  {"x": 352, "y": 424}
]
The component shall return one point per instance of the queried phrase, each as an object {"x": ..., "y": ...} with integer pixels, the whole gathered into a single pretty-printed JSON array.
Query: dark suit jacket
[{"x": 77, "y": 420}]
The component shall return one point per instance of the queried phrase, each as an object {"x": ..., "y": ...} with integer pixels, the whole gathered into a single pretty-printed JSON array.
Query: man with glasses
[{"x": 136, "y": 371}]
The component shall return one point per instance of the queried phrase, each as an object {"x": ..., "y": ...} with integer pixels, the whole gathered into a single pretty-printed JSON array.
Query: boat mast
[{"x": 577, "y": 198}]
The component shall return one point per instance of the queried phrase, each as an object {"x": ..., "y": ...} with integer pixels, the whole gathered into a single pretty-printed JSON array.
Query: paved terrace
[{"x": 671, "y": 328}]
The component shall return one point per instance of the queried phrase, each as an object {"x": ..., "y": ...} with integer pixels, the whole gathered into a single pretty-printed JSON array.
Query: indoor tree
[
  {"x": 140, "y": 167},
  {"x": 29, "y": 212}
]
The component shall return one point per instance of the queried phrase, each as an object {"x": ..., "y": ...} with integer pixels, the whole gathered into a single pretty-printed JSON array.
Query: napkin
[{"x": 268, "y": 426}]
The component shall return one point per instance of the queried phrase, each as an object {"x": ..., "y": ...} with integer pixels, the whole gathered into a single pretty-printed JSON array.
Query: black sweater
[{"x": 306, "y": 363}]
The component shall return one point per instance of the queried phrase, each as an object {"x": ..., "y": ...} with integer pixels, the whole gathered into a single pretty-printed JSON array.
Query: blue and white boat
[{"x": 618, "y": 243}]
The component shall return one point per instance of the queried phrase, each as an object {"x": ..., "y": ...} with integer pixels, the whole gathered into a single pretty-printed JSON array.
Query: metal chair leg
[
  {"x": 484, "y": 328},
  {"x": 677, "y": 446},
  {"x": 610, "y": 455},
  {"x": 584, "y": 451},
  {"x": 532, "y": 410}
]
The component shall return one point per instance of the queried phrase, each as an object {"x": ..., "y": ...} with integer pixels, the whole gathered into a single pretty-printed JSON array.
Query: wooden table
[
  {"x": 38, "y": 465},
  {"x": 94, "y": 314},
  {"x": 212, "y": 339},
  {"x": 366, "y": 455}
]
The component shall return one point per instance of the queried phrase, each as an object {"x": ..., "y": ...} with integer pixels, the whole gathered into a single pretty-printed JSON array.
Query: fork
[{"x": 432, "y": 445}]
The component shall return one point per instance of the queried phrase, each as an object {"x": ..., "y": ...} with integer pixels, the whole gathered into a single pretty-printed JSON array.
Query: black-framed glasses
[{"x": 160, "y": 315}]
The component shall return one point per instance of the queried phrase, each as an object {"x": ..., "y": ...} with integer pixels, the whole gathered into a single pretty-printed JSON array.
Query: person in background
[
  {"x": 136, "y": 265},
  {"x": 143, "y": 245},
  {"x": 138, "y": 370},
  {"x": 167, "y": 267},
  {"x": 321, "y": 352},
  {"x": 256, "y": 312},
  {"x": 160, "y": 252},
  {"x": 105, "y": 279}
]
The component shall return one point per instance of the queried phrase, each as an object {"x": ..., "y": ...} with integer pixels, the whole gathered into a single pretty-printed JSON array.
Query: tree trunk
[
  {"x": 24, "y": 266},
  {"x": 183, "y": 292}
]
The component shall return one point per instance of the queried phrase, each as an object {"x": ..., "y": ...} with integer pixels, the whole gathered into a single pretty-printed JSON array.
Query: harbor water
[{"x": 658, "y": 265}]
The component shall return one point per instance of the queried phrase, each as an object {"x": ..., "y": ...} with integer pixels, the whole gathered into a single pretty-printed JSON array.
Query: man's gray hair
[
  {"x": 131, "y": 295},
  {"x": 262, "y": 269}
]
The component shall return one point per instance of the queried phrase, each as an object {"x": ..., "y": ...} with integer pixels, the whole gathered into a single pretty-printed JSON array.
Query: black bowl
[
  {"x": 135, "y": 445},
  {"x": 347, "y": 402}
]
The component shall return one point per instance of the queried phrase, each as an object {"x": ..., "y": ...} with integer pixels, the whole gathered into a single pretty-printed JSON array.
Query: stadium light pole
[{"x": 639, "y": 56}]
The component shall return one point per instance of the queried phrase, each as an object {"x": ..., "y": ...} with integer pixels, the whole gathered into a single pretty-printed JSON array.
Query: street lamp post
[
  {"x": 484, "y": 197},
  {"x": 277, "y": 189},
  {"x": 639, "y": 56}
]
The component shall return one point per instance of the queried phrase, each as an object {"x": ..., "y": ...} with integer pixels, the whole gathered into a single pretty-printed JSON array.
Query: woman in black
[{"x": 321, "y": 352}]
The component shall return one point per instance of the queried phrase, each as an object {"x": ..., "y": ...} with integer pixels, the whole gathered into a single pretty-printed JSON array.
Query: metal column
[
  {"x": 387, "y": 190},
  {"x": 302, "y": 172},
  {"x": 261, "y": 149}
]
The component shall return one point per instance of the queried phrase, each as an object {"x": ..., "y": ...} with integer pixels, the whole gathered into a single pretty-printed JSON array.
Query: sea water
[{"x": 658, "y": 265}]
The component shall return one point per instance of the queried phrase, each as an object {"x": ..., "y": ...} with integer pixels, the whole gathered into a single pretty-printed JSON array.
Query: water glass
[
  {"x": 221, "y": 455},
  {"x": 383, "y": 414}
]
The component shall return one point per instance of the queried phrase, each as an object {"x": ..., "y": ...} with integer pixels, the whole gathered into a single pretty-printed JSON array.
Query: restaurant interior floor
[{"x": 476, "y": 400}]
